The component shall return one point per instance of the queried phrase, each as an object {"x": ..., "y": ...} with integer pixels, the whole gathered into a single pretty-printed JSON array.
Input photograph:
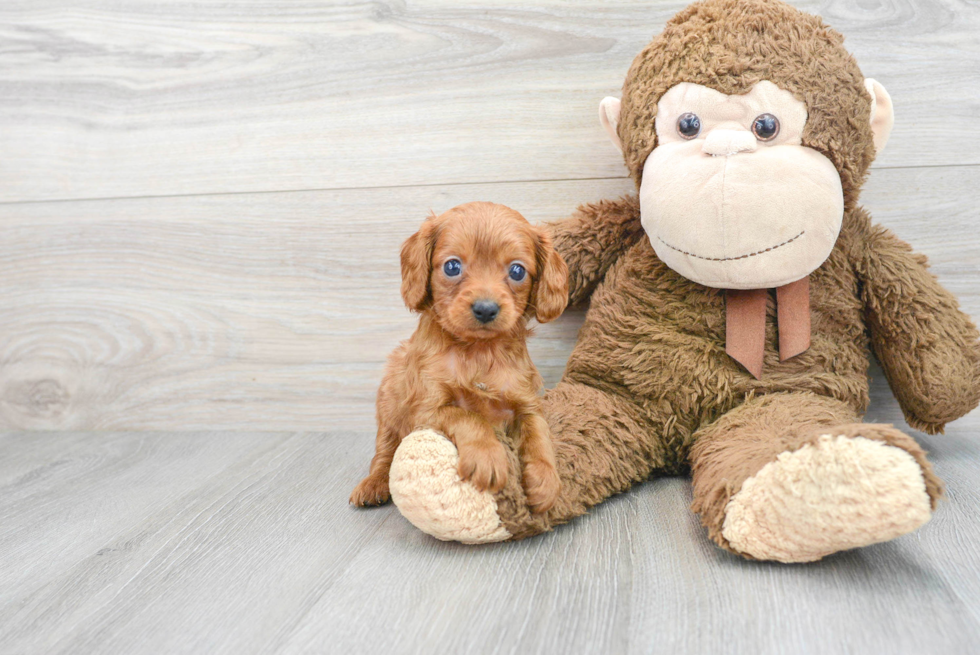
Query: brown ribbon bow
[{"x": 745, "y": 323}]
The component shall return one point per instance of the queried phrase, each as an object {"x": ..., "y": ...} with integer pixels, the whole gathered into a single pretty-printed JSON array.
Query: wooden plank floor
[
  {"x": 237, "y": 542},
  {"x": 201, "y": 204}
]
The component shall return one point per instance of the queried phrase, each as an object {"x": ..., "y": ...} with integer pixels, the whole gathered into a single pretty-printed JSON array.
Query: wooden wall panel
[
  {"x": 111, "y": 98},
  {"x": 276, "y": 311}
]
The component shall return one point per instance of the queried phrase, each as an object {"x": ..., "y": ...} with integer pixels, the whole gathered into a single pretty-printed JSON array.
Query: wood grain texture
[
  {"x": 255, "y": 551},
  {"x": 112, "y": 98},
  {"x": 269, "y": 157},
  {"x": 276, "y": 311},
  {"x": 63, "y": 494}
]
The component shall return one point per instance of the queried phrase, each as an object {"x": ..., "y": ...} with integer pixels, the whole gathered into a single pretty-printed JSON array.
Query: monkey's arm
[
  {"x": 591, "y": 240},
  {"x": 926, "y": 345}
]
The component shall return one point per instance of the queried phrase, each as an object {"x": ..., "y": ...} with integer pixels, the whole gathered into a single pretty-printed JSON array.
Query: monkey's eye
[
  {"x": 452, "y": 268},
  {"x": 689, "y": 125},
  {"x": 765, "y": 127},
  {"x": 517, "y": 272}
]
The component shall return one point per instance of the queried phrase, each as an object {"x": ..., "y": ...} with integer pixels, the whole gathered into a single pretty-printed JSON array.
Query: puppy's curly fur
[{"x": 460, "y": 373}]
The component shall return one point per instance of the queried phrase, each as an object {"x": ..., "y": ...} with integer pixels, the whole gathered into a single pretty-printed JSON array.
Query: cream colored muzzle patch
[{"x": 752, "y": 220}]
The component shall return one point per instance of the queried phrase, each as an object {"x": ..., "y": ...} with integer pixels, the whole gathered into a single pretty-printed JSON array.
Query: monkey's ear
[
  {"x": 609, "y": 117},
  {"x": 417, "y": 266},
  {"x": 550, "y": 294},
  {"x": 882, "y": 113}
]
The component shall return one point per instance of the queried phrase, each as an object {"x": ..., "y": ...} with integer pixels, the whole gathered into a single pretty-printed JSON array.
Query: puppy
[{"x": 476, "y": 273}]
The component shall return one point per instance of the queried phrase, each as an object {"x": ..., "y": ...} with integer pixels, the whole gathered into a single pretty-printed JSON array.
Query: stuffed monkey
[{"x": 733, "y": 306}]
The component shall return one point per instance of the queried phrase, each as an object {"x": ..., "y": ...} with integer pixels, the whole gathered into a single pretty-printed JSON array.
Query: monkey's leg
[
  {"x": 794, "y": 477},
  {"x": 603, "y": 444}
]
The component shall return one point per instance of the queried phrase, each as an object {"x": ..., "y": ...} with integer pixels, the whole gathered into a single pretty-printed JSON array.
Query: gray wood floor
[{"x": 201, "y": 205}]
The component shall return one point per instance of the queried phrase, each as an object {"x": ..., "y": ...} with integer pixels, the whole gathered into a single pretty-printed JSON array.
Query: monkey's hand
[
  {"x": 592, "y": 239},
  {"x": 927, "y": 347}
]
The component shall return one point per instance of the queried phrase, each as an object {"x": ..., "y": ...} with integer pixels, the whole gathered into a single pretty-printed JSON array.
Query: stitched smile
[{"x": 728, "y": 259}]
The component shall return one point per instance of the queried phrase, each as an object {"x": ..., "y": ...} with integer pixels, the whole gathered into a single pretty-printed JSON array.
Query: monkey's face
[
  {"x": 730, "y": 197},
  {"x": 743, "y": 124}
]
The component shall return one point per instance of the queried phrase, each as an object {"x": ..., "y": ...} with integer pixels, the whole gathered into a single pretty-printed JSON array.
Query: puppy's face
[{"x": 481, "y": 267}]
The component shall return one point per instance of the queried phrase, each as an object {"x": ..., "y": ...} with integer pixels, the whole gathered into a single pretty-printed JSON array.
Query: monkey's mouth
[{"x": 730, "y": 259}]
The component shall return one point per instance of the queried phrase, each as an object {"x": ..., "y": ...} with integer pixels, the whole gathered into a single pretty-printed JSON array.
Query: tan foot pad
[
  {"x": 427, "y": 490},
  {"x": 836, "y": 494}
]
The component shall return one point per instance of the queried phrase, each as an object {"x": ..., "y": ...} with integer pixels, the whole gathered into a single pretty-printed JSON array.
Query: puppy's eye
[
  {"x": 689, "y": 125},
  {"x": 765, "y": 127},
  {"x": 517, "y": 272},
  {"x": 452, "y": 268}
]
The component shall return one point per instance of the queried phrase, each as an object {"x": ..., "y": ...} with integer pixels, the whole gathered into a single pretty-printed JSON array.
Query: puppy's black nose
[{"x": 485, "y": 310}]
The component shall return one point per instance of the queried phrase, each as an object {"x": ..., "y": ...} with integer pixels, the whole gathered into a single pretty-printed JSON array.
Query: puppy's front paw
[
  {"x": 483, "y": 464},
  {"x": 541, "y": 484},
  {"x": 372, "y": 491}
]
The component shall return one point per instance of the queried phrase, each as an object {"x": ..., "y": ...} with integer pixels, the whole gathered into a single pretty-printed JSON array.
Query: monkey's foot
[
  {"x": 834, "y": 494},
  {"x": 426, "y": 488}
]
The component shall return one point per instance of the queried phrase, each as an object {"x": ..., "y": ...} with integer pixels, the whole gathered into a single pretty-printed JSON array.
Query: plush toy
[{"x": 733, "y": 302}]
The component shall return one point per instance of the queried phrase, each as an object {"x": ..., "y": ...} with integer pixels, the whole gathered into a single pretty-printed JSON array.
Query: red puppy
[{"x": 477, "y": 273}]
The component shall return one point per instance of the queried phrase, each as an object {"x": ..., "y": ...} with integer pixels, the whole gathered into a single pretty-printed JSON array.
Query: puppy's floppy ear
[
  {"x": 417, "y": 266},
  {"x": 550, "y": 294}
]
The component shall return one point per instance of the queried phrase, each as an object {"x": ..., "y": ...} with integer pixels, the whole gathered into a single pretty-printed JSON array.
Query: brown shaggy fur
[
  {"x": 649, "y": 388},
  {"x": 465, "y": 377}
]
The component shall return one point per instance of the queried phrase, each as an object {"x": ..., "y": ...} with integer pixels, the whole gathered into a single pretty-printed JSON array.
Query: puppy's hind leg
[{"x": 373, "y": 490}]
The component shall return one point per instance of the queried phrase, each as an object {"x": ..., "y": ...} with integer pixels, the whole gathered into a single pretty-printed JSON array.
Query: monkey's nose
[
  {"x": 725, "y": 143},
  {"x": 485, "y": 310}
]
